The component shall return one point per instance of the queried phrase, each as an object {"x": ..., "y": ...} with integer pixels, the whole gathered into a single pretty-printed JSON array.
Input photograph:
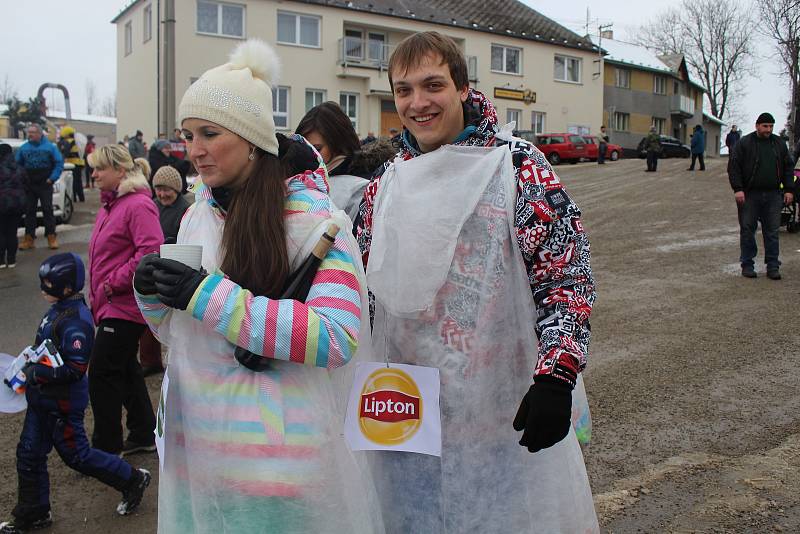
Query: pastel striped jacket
[{"x": 322, "y": 332}]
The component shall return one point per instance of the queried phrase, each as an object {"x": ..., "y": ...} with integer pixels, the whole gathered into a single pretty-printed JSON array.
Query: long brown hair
[{"x": 254, "y": 238}]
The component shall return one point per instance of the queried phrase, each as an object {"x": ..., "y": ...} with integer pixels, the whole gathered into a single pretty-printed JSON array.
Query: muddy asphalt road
[{"x": 693, "y": 374}]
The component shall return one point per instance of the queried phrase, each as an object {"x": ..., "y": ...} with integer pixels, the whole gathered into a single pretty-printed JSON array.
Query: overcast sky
[{"x": 70, "y": 45}]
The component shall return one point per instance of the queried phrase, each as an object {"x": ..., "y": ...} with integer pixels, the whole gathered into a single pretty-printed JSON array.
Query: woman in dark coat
[
  {"x": 160, "y": 155},
  {"x": 12, "y": 205}
]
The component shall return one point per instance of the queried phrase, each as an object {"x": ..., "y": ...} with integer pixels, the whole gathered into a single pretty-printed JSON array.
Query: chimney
[{"x": 607, "y": 34}]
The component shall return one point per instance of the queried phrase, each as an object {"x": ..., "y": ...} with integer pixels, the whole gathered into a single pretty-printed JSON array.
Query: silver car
[{"x": 62, "y": 189}]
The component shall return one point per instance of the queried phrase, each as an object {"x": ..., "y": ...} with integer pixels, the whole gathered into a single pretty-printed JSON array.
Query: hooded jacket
[
  {"x": 12, "y": 185},
  {"x": 550, "y": 236},
  {"x": 126, "y": 228},
  {"x": 69, "y": 148}
]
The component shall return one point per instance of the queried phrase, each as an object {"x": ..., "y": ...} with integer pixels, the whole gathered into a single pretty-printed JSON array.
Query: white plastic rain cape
[
  {"x": 250, "y": 452},
  {"x": 451, "y": 292}
]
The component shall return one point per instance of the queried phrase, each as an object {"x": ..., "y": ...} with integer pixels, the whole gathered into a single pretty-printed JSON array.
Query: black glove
[
  {"x": 175, "y": 282},
  {"x": 545, "y": 413},
  {"x": 252, "y": 361},
  {"x": 29, "y": 371},
  {"x": 143, "y": 281}
]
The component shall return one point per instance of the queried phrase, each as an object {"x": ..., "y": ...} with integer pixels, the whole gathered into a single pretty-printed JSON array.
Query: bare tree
[
  {"x": 109, "y": 106},
  {"x": 780, "y": 21},
  {"x": 715, "y": 39},
  {"x": 91, "y": 97},
  {"x": 7, "y": 90}
]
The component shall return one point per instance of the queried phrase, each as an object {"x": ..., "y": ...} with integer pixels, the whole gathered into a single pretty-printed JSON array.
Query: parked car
[
  {"x": 613, "y": 152},
  {"x": 62, "y": 189},
  {"x": 670, "y": 148},
  {"x": 557, "y": 147}
]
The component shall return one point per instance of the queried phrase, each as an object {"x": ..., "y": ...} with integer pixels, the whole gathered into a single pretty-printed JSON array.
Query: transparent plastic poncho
[
  {"x": 451, "y": 292},
  {"x": 249, "y": 452}
]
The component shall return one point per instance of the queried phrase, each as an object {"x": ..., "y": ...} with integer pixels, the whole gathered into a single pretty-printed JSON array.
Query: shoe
[
  {"x": 749, "y": 272},
  {"x": 689, "y": 169},
  {"x": 773, "y": 274},
  {"x": 132, "y": 496},
  {"x": 132, "y": 447},
  {"x": 27, "y": 243},
  {"x": 52, "y": 242},
  {"x": 151, "y": 370},
  {"x": 18, "y": 526},
  {"x": 11, "y": 265},
  {"x": 3, "y": 266}
]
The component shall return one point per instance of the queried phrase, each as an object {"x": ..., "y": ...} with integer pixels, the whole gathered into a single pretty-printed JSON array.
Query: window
[
  {"x": 300, "y": 30},
  {"x": 538, "y": 121},
  {"x": 506, "y": 59},
  {"x": 472, "y": 68},
  {"x": 660, "y": 125},
  {"x": 622, "y": 78},
  {"x": 215, "y": 18},
  {"x": 556, "y": 139},
  {"x": 314, "y": 97},
  {"x": 514, "y": 115},
  {"x": 354, "y": 44},
  {"x": 280, "y": 107},
  {"x": 128, "y": 37},
  {"x": 622, "y": 121},
  {"x": 659, "y": 85},
  {"x": 567, "y": 69},
  {"x": 676, "y": 88},
  {"x": 376, "y": 47},
  {"x": 147, "y": 23},
  {"x": 349, "y": 104}
]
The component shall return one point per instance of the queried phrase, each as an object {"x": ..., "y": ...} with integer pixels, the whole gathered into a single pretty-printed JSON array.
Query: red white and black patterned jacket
[{"x": 550, "y": 235}]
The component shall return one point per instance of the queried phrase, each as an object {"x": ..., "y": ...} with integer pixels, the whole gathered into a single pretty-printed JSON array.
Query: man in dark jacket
[
  {"x": 732, "y": 138},
  {"x": 698, "y": 147},
  {"x": 136, "y": 146},
  {"x": 43, "y": 164},
  {"x": 759, "y": 165},
  {"x": 12, "y": 206}
]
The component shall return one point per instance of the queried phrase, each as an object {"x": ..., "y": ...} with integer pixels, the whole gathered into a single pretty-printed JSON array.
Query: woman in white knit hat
[{"x": 249, "y": 451}]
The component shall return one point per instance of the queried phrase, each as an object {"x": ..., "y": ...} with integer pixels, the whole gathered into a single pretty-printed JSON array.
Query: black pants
[
  {"x": 764, "y": 207},
  {"x": 77, "y": 184},
  {"x": 8, "y": 238},
  {"x": 88, "y": 172},
  {"x": 116, "y": 380},
  {"x": 601, "y": 152},
  {"x": 695, "y": 157},
  {"x": 652, "y": 160},
  {"x": 35, "y": 194}
]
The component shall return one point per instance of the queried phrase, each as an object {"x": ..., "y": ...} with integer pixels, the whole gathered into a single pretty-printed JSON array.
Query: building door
[{"x": 389, "y": 118}]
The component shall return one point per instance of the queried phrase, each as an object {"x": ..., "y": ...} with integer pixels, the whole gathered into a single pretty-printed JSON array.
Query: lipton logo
[{"x": 390, "y": 407}]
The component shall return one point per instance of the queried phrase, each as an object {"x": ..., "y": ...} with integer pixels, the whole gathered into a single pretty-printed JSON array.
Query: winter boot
[
  {"x": 27, "y": 243},
  {"x": 52, "y": 242},
  {"x": 18, "y": 526},
  {"x": 132, "y": 496}
]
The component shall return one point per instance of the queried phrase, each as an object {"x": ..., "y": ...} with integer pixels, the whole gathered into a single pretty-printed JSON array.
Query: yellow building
[
  {"x": 642, "y": 89},
  {"x": 537, "y": 73}
]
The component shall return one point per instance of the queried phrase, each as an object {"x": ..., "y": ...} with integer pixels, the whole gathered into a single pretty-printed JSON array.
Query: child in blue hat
[{"x": 57, "y": 398}]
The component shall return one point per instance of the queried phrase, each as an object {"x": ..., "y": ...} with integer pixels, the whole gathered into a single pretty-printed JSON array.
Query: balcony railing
[
  {"x": 682, "y": 105},
  {"x": 364, "y": 53}
]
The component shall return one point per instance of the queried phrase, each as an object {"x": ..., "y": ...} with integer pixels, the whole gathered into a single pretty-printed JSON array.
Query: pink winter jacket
[{"x": 126, "y": 229}]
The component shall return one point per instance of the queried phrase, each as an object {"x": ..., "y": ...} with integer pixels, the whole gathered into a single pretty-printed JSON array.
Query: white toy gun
[{"x": 46, "y": 354}]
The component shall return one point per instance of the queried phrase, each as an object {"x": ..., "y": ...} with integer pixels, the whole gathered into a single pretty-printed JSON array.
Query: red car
[
  {"x": 613, "y": 151},
  {"x": 557, "y": 147}
]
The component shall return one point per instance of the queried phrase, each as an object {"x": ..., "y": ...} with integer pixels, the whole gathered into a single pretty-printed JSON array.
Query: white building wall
[{"x": 137, "y": 102}]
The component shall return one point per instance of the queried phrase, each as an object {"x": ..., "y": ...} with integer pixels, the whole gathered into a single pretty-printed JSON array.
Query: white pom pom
[{"x": 260, "y": 58}]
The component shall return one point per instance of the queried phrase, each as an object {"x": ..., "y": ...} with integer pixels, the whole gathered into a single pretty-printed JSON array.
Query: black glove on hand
[
  {"x": 143, "y": 281},
  {"x": 544, "y": 415},
  {"x": 175, "y": 282}
]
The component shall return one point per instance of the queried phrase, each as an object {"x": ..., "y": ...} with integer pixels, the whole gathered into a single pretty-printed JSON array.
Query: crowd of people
[{"x": 505, "y": 320}]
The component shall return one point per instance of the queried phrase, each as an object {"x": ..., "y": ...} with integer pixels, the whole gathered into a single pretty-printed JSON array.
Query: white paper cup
[{"x": 191, "y": 255}]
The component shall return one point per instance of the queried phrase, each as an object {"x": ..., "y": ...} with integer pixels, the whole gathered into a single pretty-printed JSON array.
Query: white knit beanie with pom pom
[{"x": 238, "y": 95}]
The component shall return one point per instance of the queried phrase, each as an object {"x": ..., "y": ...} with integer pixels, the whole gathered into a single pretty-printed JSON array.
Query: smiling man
[{"x": 465, "y": 333}]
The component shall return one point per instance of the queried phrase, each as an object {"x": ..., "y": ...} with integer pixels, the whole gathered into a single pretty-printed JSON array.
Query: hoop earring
[{"x": 252, "y": 155}]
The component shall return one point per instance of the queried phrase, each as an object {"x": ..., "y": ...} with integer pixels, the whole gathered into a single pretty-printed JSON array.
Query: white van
[{"x": 62, "y": 189}]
